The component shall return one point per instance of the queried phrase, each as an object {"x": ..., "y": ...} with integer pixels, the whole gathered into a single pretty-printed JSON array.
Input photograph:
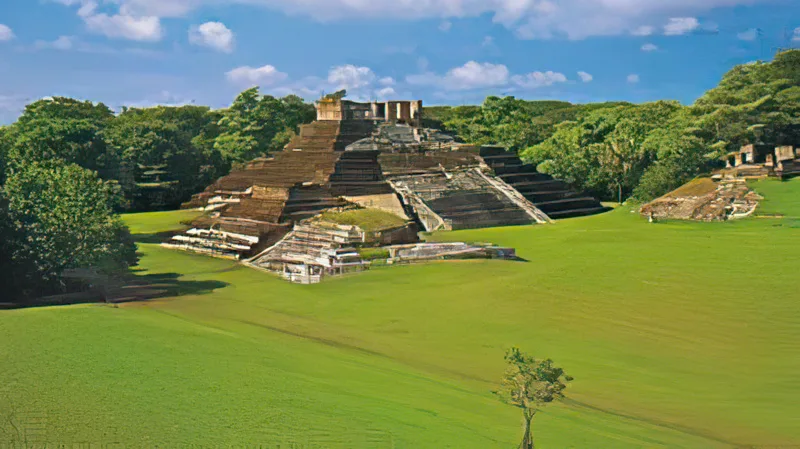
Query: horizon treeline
[{"x": 619, "y": 150}]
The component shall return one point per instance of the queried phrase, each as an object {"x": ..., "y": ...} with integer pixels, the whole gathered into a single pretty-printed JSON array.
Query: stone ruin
[
  {"x": 725, "y": 195},
  {"x": 373, "y": 155},
  {"x": 760, "y": 160},
  {"x": 705, "y": 199}
]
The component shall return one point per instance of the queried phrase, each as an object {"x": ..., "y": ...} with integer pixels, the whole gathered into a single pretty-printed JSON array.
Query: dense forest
[
  {"x": 620, "y": 150},
  {"x": 67, "y": 167}
]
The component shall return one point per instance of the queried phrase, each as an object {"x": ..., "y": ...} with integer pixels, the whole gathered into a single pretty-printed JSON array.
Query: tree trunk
[{"x": 527, "y": 438}]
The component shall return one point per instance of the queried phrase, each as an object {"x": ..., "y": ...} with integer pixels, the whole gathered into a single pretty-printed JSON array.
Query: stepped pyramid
[{"x": 335, "y": 162}]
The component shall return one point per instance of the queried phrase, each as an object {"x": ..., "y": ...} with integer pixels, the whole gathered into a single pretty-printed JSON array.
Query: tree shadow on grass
[
  {"x": 154, "y": 239},
  {"x": 165, "y": 285}
]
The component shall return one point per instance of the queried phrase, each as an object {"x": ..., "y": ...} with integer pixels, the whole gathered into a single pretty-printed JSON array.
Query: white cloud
[
  {"x": 644, "y": 30},
  {"x": 445, "y": 26},
  {"x": 249, "y": 76},
  {"x": 62, "y": 43},
  {"x": 351, "y": 77},
  {"x": 213, "y": 35},
  {"x": 385, "y": 93},
  {"x": 585, "y": 77},
  {"x": 474, "y": 75},
  {"x": 749, "y": 35},
  {"x": 681, "y": 25},
  {"x": 574, "y": 19},
  {"x": 6, "y": 34},
  {"x": 122, "y": 25},
  {"x": 387, "y": 81},
  {"x": 649, "y": 47},
  {"x": 633, "y": 78},
  {"x": 488, "y": 41},
  {"x": 477, "y": 75},
  {"x": 796, "y": 37},
  {"x": 535, "y": 80}
]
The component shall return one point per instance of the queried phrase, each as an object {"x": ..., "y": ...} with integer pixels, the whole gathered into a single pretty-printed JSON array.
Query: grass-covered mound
[
  {"x": 370, "y": 220},
  {"x": 678, "y": 335}
]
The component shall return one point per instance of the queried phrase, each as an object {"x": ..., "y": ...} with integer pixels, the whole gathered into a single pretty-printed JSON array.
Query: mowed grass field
[{"x": 683, "y": 335}]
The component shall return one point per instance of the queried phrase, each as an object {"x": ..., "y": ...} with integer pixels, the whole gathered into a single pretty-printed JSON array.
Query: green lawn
[
  {"x": 369, "y": 220},
  {"x": 677, "y": 334}
]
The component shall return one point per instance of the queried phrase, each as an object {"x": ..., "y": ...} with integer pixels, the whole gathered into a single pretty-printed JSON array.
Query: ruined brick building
[{"x": 375, "y": 155}]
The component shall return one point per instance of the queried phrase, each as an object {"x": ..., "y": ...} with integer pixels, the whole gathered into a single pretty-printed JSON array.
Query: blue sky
[{"x": 146, "y": 52}]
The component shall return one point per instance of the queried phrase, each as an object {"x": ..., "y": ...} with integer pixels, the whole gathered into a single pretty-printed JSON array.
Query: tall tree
[
  {"x": 531, "y": 384},
  {"x": 60, "y": 216},
  {"x": 255, "y": 125}
]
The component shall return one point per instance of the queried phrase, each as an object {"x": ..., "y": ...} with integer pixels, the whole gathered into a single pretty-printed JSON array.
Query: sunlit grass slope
[{"x": 677, "y": 334}]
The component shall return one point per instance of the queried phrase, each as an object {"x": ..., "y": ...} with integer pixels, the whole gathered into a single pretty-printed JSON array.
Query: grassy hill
[{"x": 677, "y": 334}]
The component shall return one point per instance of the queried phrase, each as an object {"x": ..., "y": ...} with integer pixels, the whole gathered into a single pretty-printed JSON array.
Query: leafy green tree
[
  {"x": 166, "y": 154},
  {"x": 338, "y": 95},
  {"x": 60, "y": 216},
  {"x": 255, "y": 125},
  {"x": 530, "y": 384},
  {"x": 78, "y": 141},
  {"x": 604, "y": 152},
  {"x": 62, "y": 108}
]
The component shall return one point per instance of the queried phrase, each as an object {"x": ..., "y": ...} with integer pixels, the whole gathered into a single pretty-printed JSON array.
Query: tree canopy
[
  {"x": 58, "y": 216},
  {"x": 530, "y": 384},
  {"x": 158, "y": 156}
]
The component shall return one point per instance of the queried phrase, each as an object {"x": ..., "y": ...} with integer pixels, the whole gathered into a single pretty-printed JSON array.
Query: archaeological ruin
[
  {"x": 373, "y": 156},
  {"x": 725, "y": 195}
]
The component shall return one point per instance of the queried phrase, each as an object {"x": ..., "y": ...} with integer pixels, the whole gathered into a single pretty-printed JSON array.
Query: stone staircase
[
  {"x": 552, "y": 196},
  {"x": 460, "y": 200}
]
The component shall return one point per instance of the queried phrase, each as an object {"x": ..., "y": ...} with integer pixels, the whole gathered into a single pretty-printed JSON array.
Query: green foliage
[
  {"x": 367, "y": 219},
  {"x": 158, "y": 156},
  {"x": 62, "y": 108},
  {"x": 59, "y": 216},
  {"x": 508, "y": 121},
  {"x": 254, "y": 125},
  {"x": 164, "y": 155},
  {"x": 754, "y": 103},
  {"x": 606, "y": 151},
  {"x": 78, "y": 141},
  {"x": 530, "y": 384},
  {"x": 338, "y": 95}
]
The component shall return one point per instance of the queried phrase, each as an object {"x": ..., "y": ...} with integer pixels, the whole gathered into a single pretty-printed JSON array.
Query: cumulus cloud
[
  {"x": 476, "y": 75},
  {"x": 362, "y": 83},
  {"x": 749, "y": 35},
  {"x": 796, "y": 37},
  {"x": 535, "y": 80},
  {"x": 386, "y": 93},
  {"x": 256, "y": 76},
  {"x": 649, "y": 47},
  {"x": 574, "y": 19},
  {"x": 681, "y": 25},
  {"x": 6, "y": 33},
  {"x": 213, "y": 35},
  {"x": 633, "y": 78},
  {"x": 351, "y": 77},
  {"x": 585, "y": 77},
  {"x": 122, "y": 25}
]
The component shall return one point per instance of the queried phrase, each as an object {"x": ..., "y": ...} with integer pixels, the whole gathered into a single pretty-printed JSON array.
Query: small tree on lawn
[{"x": 530, "y": 384}]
